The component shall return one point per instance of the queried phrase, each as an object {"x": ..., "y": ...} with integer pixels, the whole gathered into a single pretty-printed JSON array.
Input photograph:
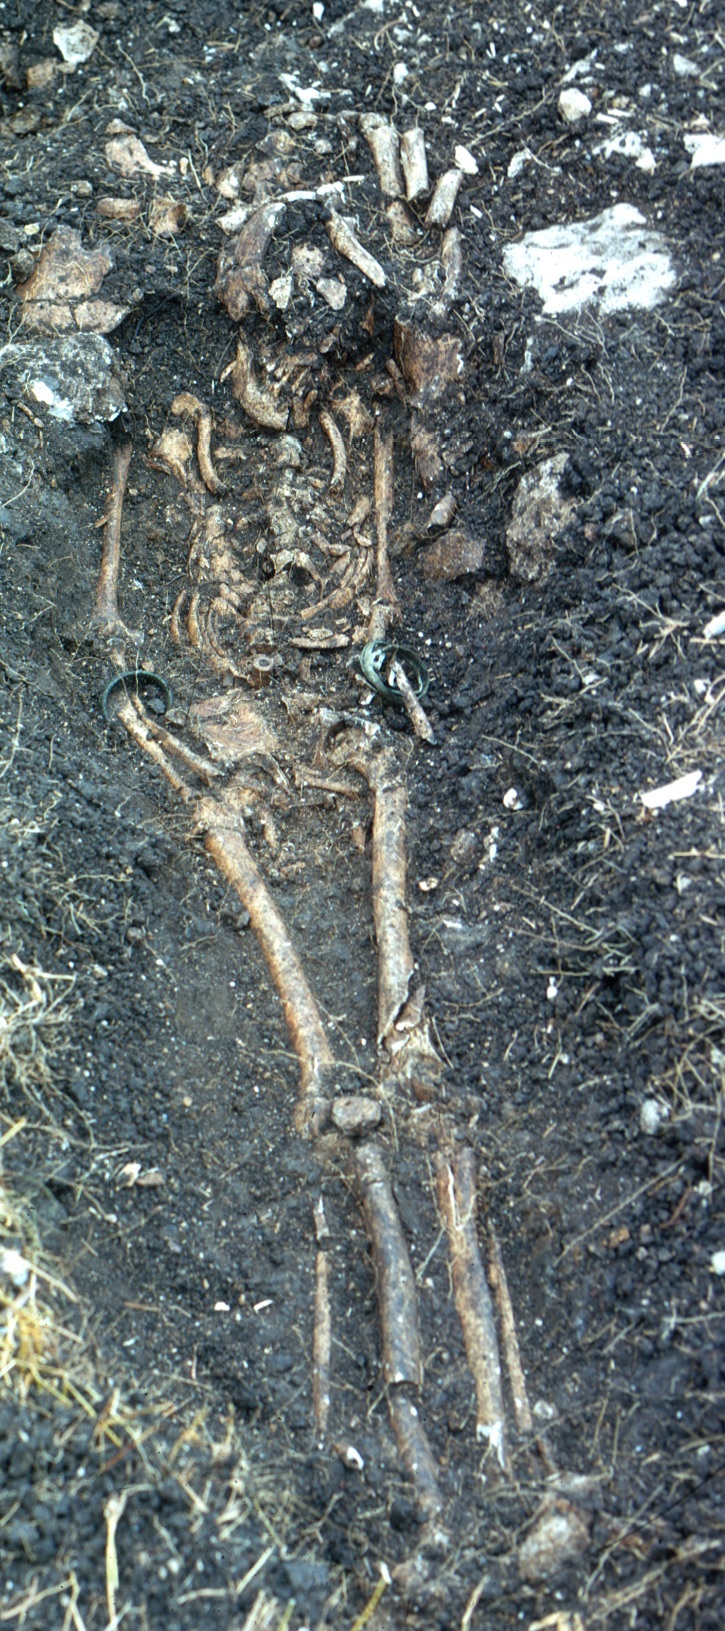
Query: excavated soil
[{"x": 569, "y": 938}]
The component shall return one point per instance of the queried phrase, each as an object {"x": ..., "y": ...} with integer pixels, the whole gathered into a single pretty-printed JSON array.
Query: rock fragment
[
  {"x": 574, "y": 105},
  {"x": 558, "y": 1537},
  {"x": 72, "y": 377},
  {"x": 76, "y": 42},
  {"x": 540, "y": 510},
  {"x": 452, "y": 556}
]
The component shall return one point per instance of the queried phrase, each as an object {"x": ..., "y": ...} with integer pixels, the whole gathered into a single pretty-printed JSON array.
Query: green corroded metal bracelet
[{"x": 374, "y": 659}]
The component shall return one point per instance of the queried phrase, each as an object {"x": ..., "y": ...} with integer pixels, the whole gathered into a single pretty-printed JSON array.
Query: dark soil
[{"x": 572, "y": 947}]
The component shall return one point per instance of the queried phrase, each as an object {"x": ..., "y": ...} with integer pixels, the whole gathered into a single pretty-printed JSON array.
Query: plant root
[
  {"x": 394, "y": 1276},
  {"x": 509, "y": 1339},
  {"x": 105, "y": 605},
  {"x": 457, "y": 1200}
]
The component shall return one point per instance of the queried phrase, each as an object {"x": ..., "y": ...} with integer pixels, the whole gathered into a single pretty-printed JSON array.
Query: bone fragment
[
  {"x": 193, "y": 761},
  {"x": 512, "y": 1352},
  {"x": 394, "y": 1275},
  {"x": 225, "y": 844},
  {"x": 452, "y": 263},
  {"x": 457, "y": 1200},
  {"x": 343, "y": 239},
  {"x": 442, "y": 513},
  {"x": 175, "y": 619},
  {"x": 390, "y": 917},
  {"x": 172, "y": 451},
  {"x": 186, "y": 403},
  {"x": 416, "y": 1453},
  {"x": 339, "y": 456},
  {"x": 415, "y": 164},
  {"x": 142, "y": 735},
  {"x": 355, "y": 1113},
  {"x": 414, "y": 709},
  {"x": 321, "y": 1342},
  {"x": 260, "y": 404},
  {"x": 105, "y": 606},
  {"x": 444, "y": 197},
  {"x": 240, "y": 279},
  {"x": 383, "y": 486},
  {"x": 383, "y": 141}
]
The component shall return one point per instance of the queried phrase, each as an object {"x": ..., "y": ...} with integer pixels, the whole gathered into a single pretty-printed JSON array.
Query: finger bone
[
  {"x": 343, "y": 239},
  {"x": 415, "y": 164},
  {"x": 384, "y": 143},
  {"x": 444, "y": 197}
]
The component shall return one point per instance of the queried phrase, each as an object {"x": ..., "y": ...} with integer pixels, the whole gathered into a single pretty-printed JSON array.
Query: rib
[
  {"x": 339, "y": 456},
  {"x": 260, "y": 404},
  {"x": 186, "y": 403},
  {"x": 457, "y": 1200},
  {"x": 105, "y": 606}
]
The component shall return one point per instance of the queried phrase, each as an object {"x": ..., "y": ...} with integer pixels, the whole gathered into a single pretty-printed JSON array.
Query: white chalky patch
[
  {"x": 632, "y": 146},
  {"x": 613, "y": 260},
  {"x": 706, "y": 148}
]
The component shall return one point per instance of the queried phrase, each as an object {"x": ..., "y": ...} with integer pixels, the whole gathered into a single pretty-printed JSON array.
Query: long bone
[
  {"x": 457, "y": 1200},
  {"x": 398, "y": 1311},
  {"x": 105, "y": 608}
]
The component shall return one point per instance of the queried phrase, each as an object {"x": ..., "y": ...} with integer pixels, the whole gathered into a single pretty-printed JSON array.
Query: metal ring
[
  {"x": 375, "y": 656},
  {"x": 135, "y": 677}
]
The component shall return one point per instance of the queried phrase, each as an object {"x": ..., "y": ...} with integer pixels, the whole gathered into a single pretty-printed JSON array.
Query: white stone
[
  {"x": 652, "y": 1116},
  {"x": 400, "y": 72},
  {"x": 15, "y": 1266},
  {"x": 613, "y": 260},
  {"x": 715, "y": 627},
  {"x": 717, "y": 1262},
  {"x": 706, "y": 148},
  {"x": 318, "y": 11},
  {"x": 684, "y": 67},
  {"x": 75, "y": 43},
  {"x": 518, "y": 162},
  {"x": 465, "y": 161},
  {"x": 574, "y": 105},
  {"x": 659, "y": 797},
  {"x": 511, "y": 799}
]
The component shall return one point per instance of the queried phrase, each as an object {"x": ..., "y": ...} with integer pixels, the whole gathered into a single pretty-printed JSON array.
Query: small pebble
[
  {"x": 652, "y": 1116},
  {"x": 574, "y": 105}
]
